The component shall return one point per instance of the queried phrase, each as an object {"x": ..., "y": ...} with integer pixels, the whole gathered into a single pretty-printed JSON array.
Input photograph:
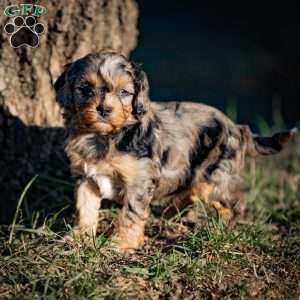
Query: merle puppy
[{"x": 128, "y": 149}]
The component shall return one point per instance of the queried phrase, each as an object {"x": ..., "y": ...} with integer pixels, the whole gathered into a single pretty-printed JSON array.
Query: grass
[{"x": 259, "y": 258}]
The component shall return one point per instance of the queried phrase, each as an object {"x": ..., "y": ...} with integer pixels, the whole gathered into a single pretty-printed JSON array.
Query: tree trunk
[{"x": 31, "y": 136}]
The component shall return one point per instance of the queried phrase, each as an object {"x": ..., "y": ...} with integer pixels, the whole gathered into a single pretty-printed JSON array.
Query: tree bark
[{"x": 31, "y": 136}]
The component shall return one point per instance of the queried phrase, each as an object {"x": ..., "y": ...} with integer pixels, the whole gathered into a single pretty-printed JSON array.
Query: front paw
[
  {"x": 79, "y": 234},
  {"x": 121, "y": 248},
  {"x": 125, "y": 244}
]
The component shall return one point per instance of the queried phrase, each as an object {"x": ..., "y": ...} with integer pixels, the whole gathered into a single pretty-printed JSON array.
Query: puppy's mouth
[
  {"x": 105, "y": 120},
  {"x": 90, "y": 120},
  {"x": 89, "y": 117}
]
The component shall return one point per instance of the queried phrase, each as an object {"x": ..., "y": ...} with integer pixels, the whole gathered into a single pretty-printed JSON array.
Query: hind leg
[
  {"x": 230, "y": 209},
  {"x": 227, "y": 199},
  {"x": 198, "y": 192},
  {"x": 229, "y": 203}
]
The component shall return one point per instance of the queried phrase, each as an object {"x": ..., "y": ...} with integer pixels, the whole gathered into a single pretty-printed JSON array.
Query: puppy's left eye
[{"x": 123, "y": 93}]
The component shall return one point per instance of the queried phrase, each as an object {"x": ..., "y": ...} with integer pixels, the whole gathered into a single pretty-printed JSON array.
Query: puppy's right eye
[{"x": 85, "y": 90}]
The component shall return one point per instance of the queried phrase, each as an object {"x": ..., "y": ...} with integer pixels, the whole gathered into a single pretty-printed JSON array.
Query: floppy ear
[
  {"x": 62, "y": 96},
  {"x": 141, "y": 99}
]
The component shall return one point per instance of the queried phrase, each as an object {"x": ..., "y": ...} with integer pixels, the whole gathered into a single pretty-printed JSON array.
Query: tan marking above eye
[
  {"x": 123, "y": 82},
  {"x": 94, "y": 79}
]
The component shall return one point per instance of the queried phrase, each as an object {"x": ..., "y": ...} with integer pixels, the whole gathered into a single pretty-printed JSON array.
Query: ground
[{"x": 259, "y": 258}]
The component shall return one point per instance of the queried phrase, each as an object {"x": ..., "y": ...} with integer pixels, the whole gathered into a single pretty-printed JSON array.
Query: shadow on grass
[{"x": 26, "y": 152}]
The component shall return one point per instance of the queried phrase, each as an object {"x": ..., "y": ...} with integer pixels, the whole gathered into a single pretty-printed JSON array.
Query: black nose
[{"x": 104, "y": 111}]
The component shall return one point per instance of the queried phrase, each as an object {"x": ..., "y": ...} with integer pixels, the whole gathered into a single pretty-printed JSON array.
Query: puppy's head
[{"x": 103, "y": 92}]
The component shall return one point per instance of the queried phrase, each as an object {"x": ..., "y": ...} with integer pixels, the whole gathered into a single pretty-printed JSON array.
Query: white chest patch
[
  {"x": 104, "y": 182},
  {"x": 105, "y": 186}
]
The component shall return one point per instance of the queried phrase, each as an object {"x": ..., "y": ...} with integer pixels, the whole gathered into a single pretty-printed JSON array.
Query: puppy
[{"x": 126, "y": 148}]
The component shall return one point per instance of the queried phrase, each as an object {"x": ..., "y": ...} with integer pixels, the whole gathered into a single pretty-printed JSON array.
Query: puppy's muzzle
[{"x": 104, "y": 110}]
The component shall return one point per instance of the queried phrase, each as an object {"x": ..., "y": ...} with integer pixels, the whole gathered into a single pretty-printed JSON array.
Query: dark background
[{"x": 243, "y": 59}]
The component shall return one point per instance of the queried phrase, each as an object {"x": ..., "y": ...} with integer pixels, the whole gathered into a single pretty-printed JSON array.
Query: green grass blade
[{"x": 11, "y": 234}]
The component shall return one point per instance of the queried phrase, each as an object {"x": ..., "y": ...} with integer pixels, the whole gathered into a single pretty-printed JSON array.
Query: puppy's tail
[{"x": 259, "y": 145}]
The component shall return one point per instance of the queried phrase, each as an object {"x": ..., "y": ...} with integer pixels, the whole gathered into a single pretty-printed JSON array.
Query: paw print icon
[{"x": 24, "y": 31}]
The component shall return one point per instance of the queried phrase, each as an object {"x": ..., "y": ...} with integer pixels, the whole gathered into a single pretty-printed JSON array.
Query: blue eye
[{"x": 123, "y": 93}]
